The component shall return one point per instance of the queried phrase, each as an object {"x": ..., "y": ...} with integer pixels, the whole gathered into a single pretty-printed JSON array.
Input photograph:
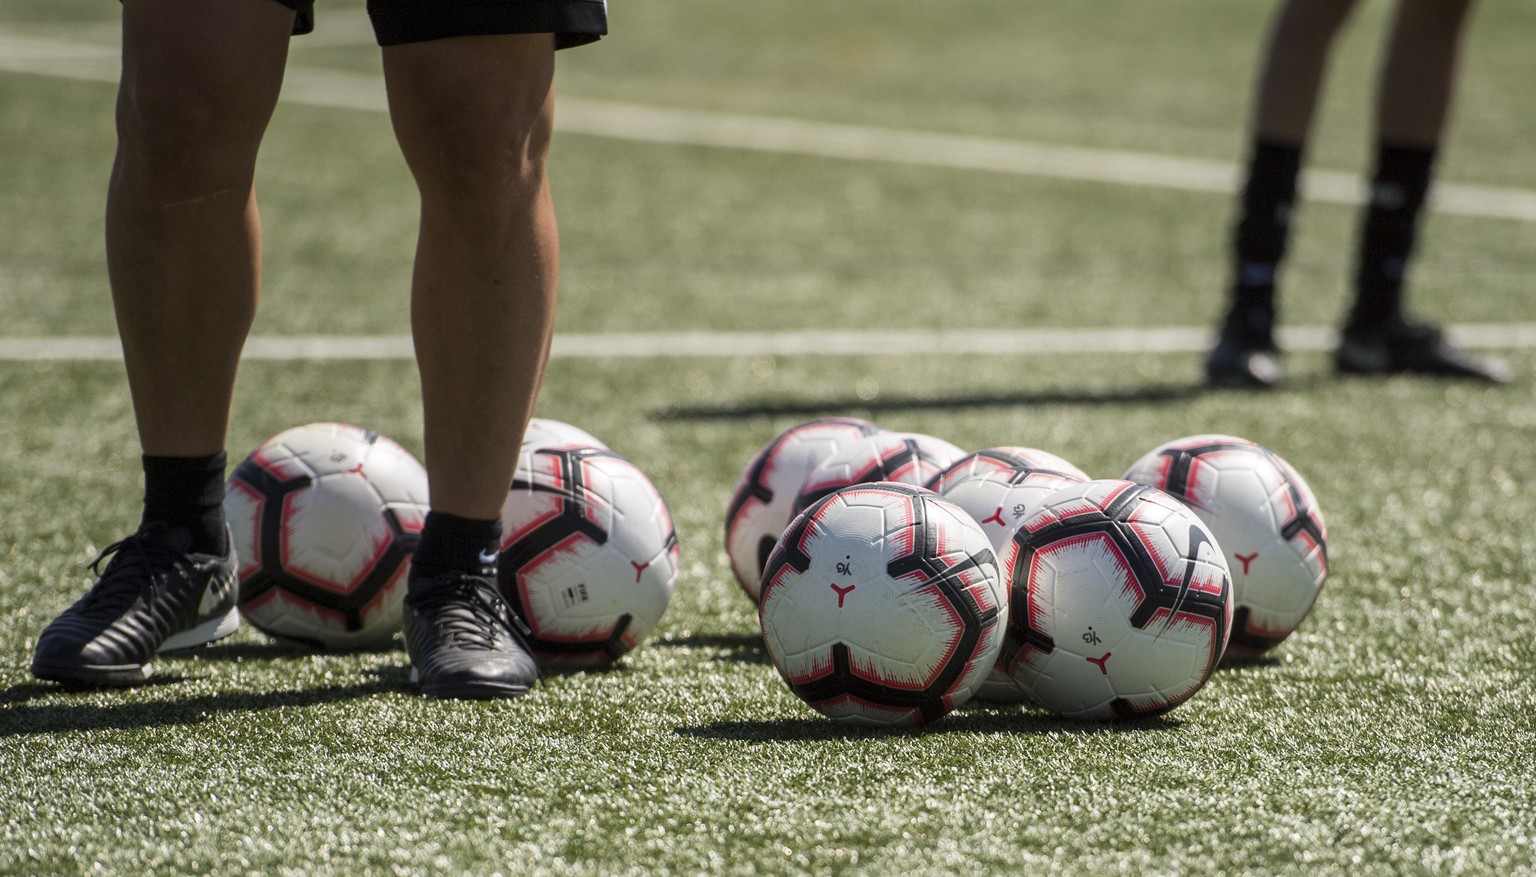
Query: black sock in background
[
  {"x": 1263, "y": 229},
  {"x": 1387, "y": 233}
]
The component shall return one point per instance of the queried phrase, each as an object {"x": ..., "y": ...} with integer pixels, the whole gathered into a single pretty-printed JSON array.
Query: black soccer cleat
[
  {"x": 1401, "y": 346},
  {"x": 155, "y": 595},
  {"x": 1245, "y": 355},
  {"x": 464, "y": 641}
]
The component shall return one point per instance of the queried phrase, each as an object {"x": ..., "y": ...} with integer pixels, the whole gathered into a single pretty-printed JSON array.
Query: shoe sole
[
  {"x": 1448, "y": 373},
  {"x": 215, "y": 628},
  {"x": 95, "y": 675},
  {"x": 484, "y": 690},
  {"x": 1226, "y": 374},
  {"x": 1238, "y": 381}
]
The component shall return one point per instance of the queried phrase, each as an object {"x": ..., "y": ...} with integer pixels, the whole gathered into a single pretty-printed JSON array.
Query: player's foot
[
  {"x": 464, "y": 641},
  {"x": 1401, "y": 346},
  {"x": 1245, "y": 354},
  {"x": 155, "y": 595}
]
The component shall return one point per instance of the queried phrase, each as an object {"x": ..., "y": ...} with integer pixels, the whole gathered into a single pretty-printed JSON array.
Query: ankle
[
  {"x": 187, "y": 492},
  {"x": 453, "y": 544}
]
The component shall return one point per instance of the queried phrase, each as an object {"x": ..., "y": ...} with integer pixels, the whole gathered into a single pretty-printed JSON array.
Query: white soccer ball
[
  {"x": 545, "y": 433},
  {"x": 1120, "y": 602},
  {"x": 588, "y": 555},
  {"x": 882, "y": 605},
  {"x": 763, "y": 502},
  {"x": 325, "y": 518},
  {"x": 1000, "y": 487},
  {"x": 902, "y": 457},
  {"x": 1267, "y": 521},
  {"x": 979, "y": 464}
]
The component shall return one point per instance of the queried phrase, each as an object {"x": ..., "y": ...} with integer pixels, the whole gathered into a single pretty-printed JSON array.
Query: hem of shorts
[{"x": 572, "y": 23}]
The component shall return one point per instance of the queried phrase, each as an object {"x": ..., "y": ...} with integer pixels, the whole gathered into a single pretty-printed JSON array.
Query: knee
[
  {"x": 180, "y": 134},
  {"x": 485, "y": 168}
]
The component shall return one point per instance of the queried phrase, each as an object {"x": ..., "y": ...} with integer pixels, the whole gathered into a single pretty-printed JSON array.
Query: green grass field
[{"x": 1393, "y": 734}]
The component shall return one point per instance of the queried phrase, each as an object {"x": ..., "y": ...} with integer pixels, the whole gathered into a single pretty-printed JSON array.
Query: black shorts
[{"x": 395, "y": 22}]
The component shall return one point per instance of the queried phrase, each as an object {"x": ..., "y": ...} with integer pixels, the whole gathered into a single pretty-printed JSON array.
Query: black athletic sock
[
  {"x": 1387, "y": 233},
  {"x": 1263, "y": 229},
  {"x": 450, "y": 543},
  {"x": 188, "y": 492}
]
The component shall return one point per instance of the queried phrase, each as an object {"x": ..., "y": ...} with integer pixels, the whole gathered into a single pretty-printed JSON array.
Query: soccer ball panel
[
  {"x": 243, "y": 508},
  {"x": 334, "y": 533},
  {"x": 1000, "y": 500},
  {"x": 1010, "y": 459},
  {"x": 543, "y": 432}
]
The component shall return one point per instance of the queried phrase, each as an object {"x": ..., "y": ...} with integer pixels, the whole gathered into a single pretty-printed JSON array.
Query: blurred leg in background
[
  {"x": 1413, "y": 103},
  {"x": 1413, "y": 98}
]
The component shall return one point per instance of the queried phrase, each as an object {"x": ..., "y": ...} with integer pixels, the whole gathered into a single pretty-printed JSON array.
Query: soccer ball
[
  {"x": 1010, "y": 459},
  {"x": 588, "y": 555},
  {"x": 1000, "y": 487},
  {"x": 903, "y": 457},
  {"x": 763, "y": 501},
  {"x": 1120, "y": 602},
  {"x": 545, "y": 433},
  {"x": 882, "y": 605},
  {"x": 1266, "y": 520},
  {"x": 325, "y": 518}
]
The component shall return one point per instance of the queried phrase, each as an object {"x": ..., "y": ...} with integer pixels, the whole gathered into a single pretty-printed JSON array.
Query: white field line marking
[
  {"x": 624, "y": 121},
  {"x": 664, "y": 345}
]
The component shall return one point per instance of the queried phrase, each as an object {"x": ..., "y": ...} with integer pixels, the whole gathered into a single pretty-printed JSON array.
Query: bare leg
[
  {"x": 199, "y": 84},
  {"x": 1419, "y": 75},
  {"x": 1295, "y": 62},
  {"x": 473, "y": 116}
]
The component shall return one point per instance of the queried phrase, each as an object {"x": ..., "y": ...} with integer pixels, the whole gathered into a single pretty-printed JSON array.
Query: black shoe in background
[
  {"x": 1402, "y": 346},
  {"x": 1245, "y": 355}
]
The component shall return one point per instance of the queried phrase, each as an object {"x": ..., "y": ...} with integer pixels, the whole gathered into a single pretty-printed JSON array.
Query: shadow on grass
[
  {"x": 616, "y": 670},
  {"x": 276, "y": 650},
  {"x": 22, "y": 717},
  {"x": 1149, "y": 394},
  {"x": 745, "y": 648},
  {"x": 1233, "y": 663},
  {"x": 984, "y": 719}
]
